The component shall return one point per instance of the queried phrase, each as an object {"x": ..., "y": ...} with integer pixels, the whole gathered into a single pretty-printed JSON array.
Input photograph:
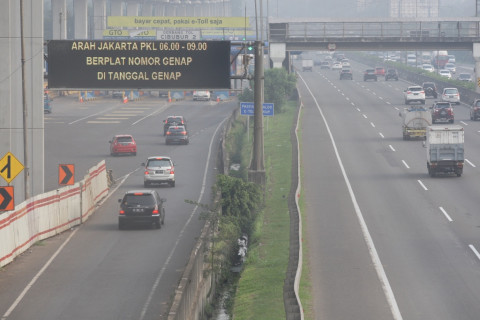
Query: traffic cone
[
  {"x": 125, "y": 99},
  {"x": 80, "y": 98},
  {"x": 218, "y": 99}
]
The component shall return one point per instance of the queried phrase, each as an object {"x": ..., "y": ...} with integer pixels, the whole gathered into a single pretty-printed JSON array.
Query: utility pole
[
  {"x": 256, "y": 172},
  {"x": 25, "y": 108}
]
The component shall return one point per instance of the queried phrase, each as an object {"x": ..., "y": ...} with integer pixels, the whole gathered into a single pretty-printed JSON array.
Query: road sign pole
[{"x": 256, "y": 173}]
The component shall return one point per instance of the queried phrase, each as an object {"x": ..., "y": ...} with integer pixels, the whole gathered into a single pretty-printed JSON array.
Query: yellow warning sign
[{"x": 10, "y": 167}]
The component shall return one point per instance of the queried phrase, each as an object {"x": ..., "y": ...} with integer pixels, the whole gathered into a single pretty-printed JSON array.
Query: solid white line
[
  {"x": 470, "y": 163},
  {"x": 202, "y": 190},
  {"x": 381, "y": 135},
  {"x": 35, "y": 278},
  {"x": 372, "y": 124},
  {"x": 405, "y": 164},
  {"x": 474, "y": 251},
  {"x": 391, "y": 148},
  {"x": 92, "y": 115},
  {"x": 387, "y": 289},
  {"x": 149, "y": 115},
  {"x": 423, "y": 186},
  {"x": 446, "y": 214}
]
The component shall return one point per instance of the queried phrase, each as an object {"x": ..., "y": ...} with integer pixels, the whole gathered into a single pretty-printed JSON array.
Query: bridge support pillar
[
  {"x": 476, "y": 56},
  {"x": 277, "y": 54}
]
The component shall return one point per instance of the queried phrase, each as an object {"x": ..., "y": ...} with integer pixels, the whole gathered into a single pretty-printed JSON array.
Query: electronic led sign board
[{"x": 111, "y": 64}]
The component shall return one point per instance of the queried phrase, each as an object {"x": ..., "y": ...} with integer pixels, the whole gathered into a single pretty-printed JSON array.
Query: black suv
[
  {"x": 173, "y": 121},
  {"x": 142, "y": 206},
  {"x": 391, "y": 74},
  {"x": 177, "y": 134},
  {"x": 442, "y": 112},
  {"x": 346, "y": 74},
  {"x": 369, "y": 74},
  {"x": 430, "y": 90}
]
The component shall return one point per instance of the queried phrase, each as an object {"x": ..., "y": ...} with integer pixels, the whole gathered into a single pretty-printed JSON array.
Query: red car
[
  {"x": 380, "y": 71},
  {"x": 123, "y": 144}
]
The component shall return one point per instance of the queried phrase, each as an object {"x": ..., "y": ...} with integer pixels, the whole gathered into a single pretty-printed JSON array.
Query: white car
[
  {"x": 445, "y": 73},
  {"x": 201, "y": 95},
  {"x": 345, "y": 63},
  {"x": 451, "y": 95},
  {"x": 414, "y": 93},
  {"x": 159, "y": 169},
  {"x": 428, "y": 67},
  {"x": 337, "y": 66},
  {"x": 451, "y": 67}
]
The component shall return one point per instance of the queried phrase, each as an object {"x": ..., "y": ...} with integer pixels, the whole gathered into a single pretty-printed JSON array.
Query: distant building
[
  {"x": 414, "y": 8},
  {"x": 399, "y": 8}
]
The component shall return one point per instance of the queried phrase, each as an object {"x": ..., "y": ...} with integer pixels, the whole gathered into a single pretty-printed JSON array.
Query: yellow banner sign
[{"x": 177, "y": 22}]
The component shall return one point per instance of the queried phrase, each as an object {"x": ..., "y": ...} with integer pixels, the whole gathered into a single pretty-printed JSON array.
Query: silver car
[
  {"x": 451, "y": 95},
  {"x": 159, "y": 169}
]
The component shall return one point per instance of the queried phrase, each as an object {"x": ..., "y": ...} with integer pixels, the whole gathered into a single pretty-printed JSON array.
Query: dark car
[
  {"x": 346, "y": 74},
  {"x": 442, "y": 112},
  {"x": 475, "y": 110},
  {"x": 369, "y": 74},
  {"x": 391, "y": 74},
  {"x": 177, "y": 134},
  {"x": 173, "y": 121},
  {"x": 141, "y": 206},
  {"x": 430, "y": 89},
  {"x": 123, "y": 144}
]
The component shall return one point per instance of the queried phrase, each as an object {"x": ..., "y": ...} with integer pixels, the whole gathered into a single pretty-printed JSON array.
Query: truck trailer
[
  {"x": 445, "y": 149},
  {"x": 416, "y": 119}
]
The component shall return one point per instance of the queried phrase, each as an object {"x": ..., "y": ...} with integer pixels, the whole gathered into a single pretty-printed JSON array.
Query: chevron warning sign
[
  {"x": 66, "y": 174},
  {"x": 7, "y": 202}
]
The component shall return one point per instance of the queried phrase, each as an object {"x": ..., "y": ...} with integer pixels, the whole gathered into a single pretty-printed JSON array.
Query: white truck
[
  {"x": 416, "y": 119},
  {"x": 445, "y": 149},
  {"x": 307, "y": 65}
]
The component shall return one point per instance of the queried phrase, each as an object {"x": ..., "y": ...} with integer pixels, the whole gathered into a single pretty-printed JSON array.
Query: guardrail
[{"x": 50, "y": 213}]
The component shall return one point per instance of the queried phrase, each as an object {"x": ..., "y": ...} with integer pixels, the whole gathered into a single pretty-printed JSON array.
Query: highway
[
  {"x": 385, "y": 240},
  {"x": 95, "y": 271}
]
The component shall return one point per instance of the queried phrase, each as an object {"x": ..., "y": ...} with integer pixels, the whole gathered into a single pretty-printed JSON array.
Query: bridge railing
[{"x": 395, "y": 30}]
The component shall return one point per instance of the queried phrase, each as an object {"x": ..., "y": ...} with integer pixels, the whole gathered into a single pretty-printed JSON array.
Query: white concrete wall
[
  {"x": 51, "y": 213},
  {"x": 81, "y": 19}
]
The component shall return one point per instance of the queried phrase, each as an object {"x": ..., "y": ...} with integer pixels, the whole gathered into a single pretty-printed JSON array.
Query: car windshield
[
  {"x": 451, "y": 91},
  {"x": 477, "y": 104},
  {"x": 158, "y": 163},
  {"x": 176, "y": 129},
  {"x": 138, "y": 199},
  {"x": 464, "y": 76},
  {"x": 174, "y": 119},
  {"x": 442, "y": 105},
  {"x": 428, "y": 85},
  {"x": 415, "y": 89},
  {"x": 124, "y": 139}
]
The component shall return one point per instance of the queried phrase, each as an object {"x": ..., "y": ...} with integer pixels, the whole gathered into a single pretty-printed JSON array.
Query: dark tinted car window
[
  {"x": 176, "y": 129},
  {"x": 442, "y": 105},
  {"x": 176, "y": 119},
  {"x": 158, "y": 163},
  {"x": 477, "y": 103},
  {"x": 124, "y": 139},
  {"x": 144, "y": 200}
]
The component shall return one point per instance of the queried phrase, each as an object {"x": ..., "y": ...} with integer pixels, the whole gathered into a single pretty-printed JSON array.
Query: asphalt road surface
[
  {"x": 386, "y": 241},
  {"x": 96, "y": 271}
]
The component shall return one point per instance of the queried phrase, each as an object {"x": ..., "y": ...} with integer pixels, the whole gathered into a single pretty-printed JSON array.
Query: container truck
[
  {"x": 416, "y": 119},
  {"x": 445, "y": 149},
  {"x": 307, "y": 65}
]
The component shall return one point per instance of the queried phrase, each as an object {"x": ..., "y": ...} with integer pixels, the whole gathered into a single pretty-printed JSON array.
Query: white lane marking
[
  {"x": 423, "y": 186},
  {"x": 358, "y": 109},
  {"x": 474, "y": 251},
  {"x": 372, "y": 124},
  {"x": 391, "y": 147},
  {"x": 202, "y": 190},
  {"x": 446, "y": 214},
  {"x": 387, "y": 102},
  {"x": 396, "y": 108},
  {"x": 352, "y": 103},
  {"x": 364, "y": 115},
  {"x": 405, "y": 164},
  {"x": 382, "y": 276},
  {"x": 381, "y": 135},
  {"x": 93, "y": 115},
  {"x": 464, "y": 123},
  {"x": 348, "y": 99},
  {"x": 381, "y": 98},
  {"x": 468, "y": 161},
  {"x": 103, "y": 122},
  {"x": 151, "y": 114},
  {"x": 35, "y": 278}
]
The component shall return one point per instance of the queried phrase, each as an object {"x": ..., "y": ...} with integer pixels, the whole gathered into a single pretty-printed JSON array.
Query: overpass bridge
[{"x": 373, "y": 35}]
